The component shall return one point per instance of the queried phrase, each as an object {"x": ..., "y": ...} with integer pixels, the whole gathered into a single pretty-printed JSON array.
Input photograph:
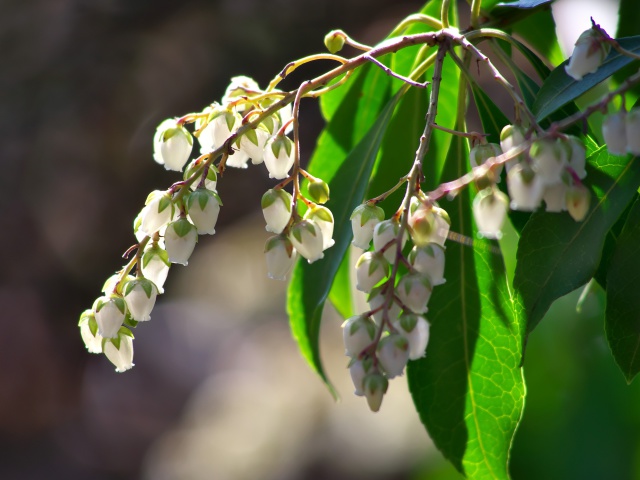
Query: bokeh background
[{"x": 219, "y": 390}]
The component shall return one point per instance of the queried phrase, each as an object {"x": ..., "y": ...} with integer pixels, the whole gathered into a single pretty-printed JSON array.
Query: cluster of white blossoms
[
  {"x": 382, "y": 340},
  {"x": 547, "y": 169},
  {"x": 168, "y": 226}
]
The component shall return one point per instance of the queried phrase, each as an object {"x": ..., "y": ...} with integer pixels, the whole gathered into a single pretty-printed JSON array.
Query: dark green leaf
[
  {"x": 560, "y": 89},
  {"x": 622, "y": 317},
  {"x": 469, "y": 389},
  {"x": 524, "y": 3},
  {"x": 557, "y": 255},
  {"x": 347, "y": 178}
]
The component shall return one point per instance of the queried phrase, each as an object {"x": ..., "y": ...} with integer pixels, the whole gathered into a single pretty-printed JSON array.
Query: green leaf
[
  {"x": 340, "y": 294},
  {"x": 530, "y": 31},
  {"x": 622, "y": 316},
  {"x": 469, "y": 388},
  {"x": 347, "y": 177},
  {"x": 557, "y": 255},
  {"x": 560, "y": 89}
]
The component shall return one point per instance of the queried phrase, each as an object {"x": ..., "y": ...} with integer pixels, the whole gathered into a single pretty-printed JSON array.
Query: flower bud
[
  {"x": 578, "y": 199},
  {"x": 180, "y": 239},
  {"x": 307, "y": 239},
  {"x": 578, "y": 157},
  {"x": 155, "y": 266},
  {"x": 203, "y": 207},
  {"x": 415, "y": 329},
  {"x": 376, "y": 299},
  {"x": 489, "y": 210},
  {"x": 429, "y": 260},
  {"x": 375, "y": 386},
  {"x": 278, "y": 156},
  {"x": 554, "y": 197},
  {"x": 358, "y": 371},
  {"x": 318, "y": 191},
  {"x": 253, "y": 141},
  {"x": 414, "y": 291},
  {"x": 588, "y": 54},
  {"x": 280, "y": 256},
  {"x": 357, "y": 333},
  {"x": 89, "y": 332},
  {"x": 614, "y": 131},
  {"x": 119, "y": 350},
  {"x": 384, "y": 233},
  {"x": 323, "y": 218},
  {"x": 157, "y": 213},
  {"x": 172, "y": 145},
  {"x": 393, "y": 354},
  {"x": 482, "y": 152},
  {"x": 632, "y": 123},
  {"x": 140, "y": 296},
  {"x": 110, "y": 312},
  {"x": 211, "y": 180},
  {"x": 364, "y": 219},
  {"x": 511, "y": 136},
  {"x": 548, "y": 158},
  {"x": 334, "y": 41},
  {"x": 276, "y": 208},
  {"x": 525, "y": 188},
  {"x": 370, "y": 269}
]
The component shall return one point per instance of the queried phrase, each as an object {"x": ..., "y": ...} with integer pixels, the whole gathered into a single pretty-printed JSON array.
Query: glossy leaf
[
  {"x": 340, "y": 294},
  {"x": 469, "y": 389},
  {"x": 560, "y": 89},
  {"x": 622, "y": 317},
  {"x": 311, "y": 283},
  {"x": 557, "y": 255}
]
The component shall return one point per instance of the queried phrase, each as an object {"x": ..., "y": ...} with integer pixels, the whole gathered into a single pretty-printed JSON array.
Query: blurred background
[{"x": 219, "y": 390}]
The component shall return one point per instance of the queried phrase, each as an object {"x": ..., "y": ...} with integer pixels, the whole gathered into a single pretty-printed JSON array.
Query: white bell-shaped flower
[
  {"x": 155, "y": 265},
  {"x": 525, "y": 188},
  {"x": 172, "y": 145},
  {"x": 415, "y": 329},
  {"x": 376, "y": 301},
  {"x": 89, "y": 332},
  {"x": 137, "y": 223},
  {"x": 429, "y": 260},
  {"x": 210, "y": 181},
  {"x": 253, "y": 141},
  {"x": 357, "y": 372},
  {"x": 632, "y": 123},
  {"x": 588, "y": 54},
  {"x": 384, "y": 233},
  {"x": 489, "y": 210},
  {"x": 422, "y": 221},
  {"x": 614, "y": 131},
  {"x": 119, "y": 350},
  {"x": 442, "y": 225},
  {"x": 482, "y": 152},
  {"x": 555, "y": 197},
  {"x": 371, "y": 268},
  {"x": 204, "y": 128},
  {"x": 239, "y": 87},
  {"x": 414, "y": 291},
  {"x": 180, "y": 239},
  {"x": 276, "y": 208},
  {"x": 280, "y": 256},
  {"x": 225, "y": 123},
  {"x": 323, "y": 217},
  {"x": 278, "y": 156},
  {"x": 239, "y": 159},
  {"x": 375, "y": 386},
  {"x": 512, "y": 136},
  {"x": 307, "y": 239},
  {"x": 393, "y": 354},
  {"x": 357, "y": 333},
  {"x": 140, "y": 295},
  {"x": 549, "y": 157},
  {"x": 578, "y": 156},
  {"x": 157, "y": 213},
  {"x": 113, "y": 284},
  {"x": 578, "y": 200},
  {"x": 110, "y": 312},
  {"x": 203, "y": 208},
  {"x": 364, "y": 219}
]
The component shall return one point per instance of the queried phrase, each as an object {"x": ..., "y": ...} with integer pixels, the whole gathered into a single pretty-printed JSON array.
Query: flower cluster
[{"x": 382, "y": 340}]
